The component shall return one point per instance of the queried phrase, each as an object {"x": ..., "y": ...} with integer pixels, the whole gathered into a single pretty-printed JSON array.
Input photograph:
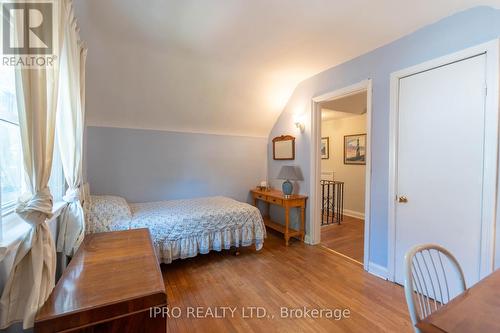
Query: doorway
[{"x": 341, "y": 171}]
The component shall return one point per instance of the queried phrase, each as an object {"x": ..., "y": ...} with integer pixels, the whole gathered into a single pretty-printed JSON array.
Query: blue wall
[
  {"x": 454, "y": 33},
  {"x": 148, "y": 165}
]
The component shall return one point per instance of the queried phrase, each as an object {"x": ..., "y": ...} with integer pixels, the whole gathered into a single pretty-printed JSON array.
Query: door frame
[
  {"x": 315, "y": 173},
  {"x": 490, "y": 173}
]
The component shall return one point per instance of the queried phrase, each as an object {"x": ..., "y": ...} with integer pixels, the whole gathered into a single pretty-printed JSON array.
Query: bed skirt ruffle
[{"x": 218, "y": 240}]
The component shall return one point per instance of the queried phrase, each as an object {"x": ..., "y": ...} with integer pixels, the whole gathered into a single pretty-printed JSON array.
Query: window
[
  {"x": 12, "y": 182},
  {"x": 11, "y": 163},
  {"x": 57, "y": 183}
]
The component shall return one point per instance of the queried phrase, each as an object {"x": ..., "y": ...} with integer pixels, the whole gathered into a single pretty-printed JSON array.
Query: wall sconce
[
  {"x": 299, "y": 123},
  {"x": 300, "y": 126}
]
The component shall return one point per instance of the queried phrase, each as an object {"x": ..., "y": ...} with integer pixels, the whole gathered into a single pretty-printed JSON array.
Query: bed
[{"x": 181, "y": 228}]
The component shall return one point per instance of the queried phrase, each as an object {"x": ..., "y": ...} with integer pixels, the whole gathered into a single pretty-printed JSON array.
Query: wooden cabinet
[
  {"x": 110, "y": 285},
  {"x": 274, "y": 197}
]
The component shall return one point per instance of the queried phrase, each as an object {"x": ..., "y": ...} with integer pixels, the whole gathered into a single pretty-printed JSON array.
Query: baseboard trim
[
  {"x": 377, "y": 270},
  {"x": 307, "y": 240},
  {"x": 354, "y": 214}
]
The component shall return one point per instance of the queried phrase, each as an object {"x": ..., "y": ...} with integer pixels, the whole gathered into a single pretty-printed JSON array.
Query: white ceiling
[
  {"x": 227, "y": 66},
  {"x": 327, "y": 115},
  {"x": 345, "y": 107}
]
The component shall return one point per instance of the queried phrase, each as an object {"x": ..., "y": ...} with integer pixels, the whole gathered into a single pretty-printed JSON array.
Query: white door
[{"x": 440, "y": 162}]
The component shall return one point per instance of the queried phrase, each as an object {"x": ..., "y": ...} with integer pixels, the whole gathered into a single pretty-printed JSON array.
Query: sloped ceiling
[{"x": 227, "y": 66}]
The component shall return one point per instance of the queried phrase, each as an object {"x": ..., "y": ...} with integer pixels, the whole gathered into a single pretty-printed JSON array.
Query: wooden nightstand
[{"x": 274, "y": 197}]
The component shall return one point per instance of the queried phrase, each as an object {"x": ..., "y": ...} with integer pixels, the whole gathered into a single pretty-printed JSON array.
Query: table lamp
[{"x": 288, "y": 173}]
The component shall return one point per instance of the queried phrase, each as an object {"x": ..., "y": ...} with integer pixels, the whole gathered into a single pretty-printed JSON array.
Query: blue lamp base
[{"x": 287, "y": 188}]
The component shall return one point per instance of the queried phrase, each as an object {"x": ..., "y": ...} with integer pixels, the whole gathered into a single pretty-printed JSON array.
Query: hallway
[{"x": 346, "y": 238}]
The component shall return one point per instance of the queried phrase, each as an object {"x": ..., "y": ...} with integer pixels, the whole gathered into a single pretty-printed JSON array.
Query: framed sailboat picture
[{"x": 355, "y": 149}]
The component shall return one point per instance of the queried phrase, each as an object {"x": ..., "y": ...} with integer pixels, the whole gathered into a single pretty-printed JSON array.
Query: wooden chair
[{"x": 426, "y": 284}]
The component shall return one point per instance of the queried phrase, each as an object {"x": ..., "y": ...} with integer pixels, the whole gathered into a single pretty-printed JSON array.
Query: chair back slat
[
  {"x": 426, "y": 290},
  {"x": 445, "y": 279},
  {"x": 441, "y": 299},
  {"x": 419, "y": 294},
  {"x": 427, "y": 284},
  {"x": 430, "y": 278}
]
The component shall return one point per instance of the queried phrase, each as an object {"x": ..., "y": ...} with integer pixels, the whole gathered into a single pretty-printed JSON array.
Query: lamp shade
[{"x": 289, "y": 172}]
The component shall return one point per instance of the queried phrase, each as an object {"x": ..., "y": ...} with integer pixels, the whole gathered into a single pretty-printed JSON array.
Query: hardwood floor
[
  {"x": 278, "y": 276},
  {"x": 347, "y": 238}
]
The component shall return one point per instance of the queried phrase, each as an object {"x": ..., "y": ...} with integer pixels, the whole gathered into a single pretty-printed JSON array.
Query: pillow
[{"x": 107, "y": 213}]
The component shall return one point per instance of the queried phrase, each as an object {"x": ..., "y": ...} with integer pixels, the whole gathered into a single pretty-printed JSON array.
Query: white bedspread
[{"x": 184, "y": 228}]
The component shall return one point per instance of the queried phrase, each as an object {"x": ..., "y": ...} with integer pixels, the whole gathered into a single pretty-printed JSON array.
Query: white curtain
[
  {"x": 70, "y": 127},
  {"x": 33, "y": 274}
]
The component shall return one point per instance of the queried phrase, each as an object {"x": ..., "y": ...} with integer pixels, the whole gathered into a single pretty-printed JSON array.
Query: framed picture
[
  {"x": 355, "y": 149},
  {"x": 325, "y": 148}
]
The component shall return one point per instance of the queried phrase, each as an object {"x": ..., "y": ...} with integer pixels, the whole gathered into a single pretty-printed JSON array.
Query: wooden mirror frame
[{"x": 284, "y": 138}]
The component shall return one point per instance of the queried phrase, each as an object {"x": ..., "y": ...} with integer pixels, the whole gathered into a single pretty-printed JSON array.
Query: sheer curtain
[
  {"x": 33, "y": 274},
  {"x": 70, "y": 127}
]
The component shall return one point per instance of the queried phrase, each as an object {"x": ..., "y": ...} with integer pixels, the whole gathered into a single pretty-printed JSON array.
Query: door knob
[{"x": 403, "y": 199}]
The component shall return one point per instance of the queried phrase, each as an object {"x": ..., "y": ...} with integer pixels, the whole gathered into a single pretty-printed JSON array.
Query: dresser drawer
[
  {"x": 261, "y": 197},
  {"x": 275, "y": 200}
]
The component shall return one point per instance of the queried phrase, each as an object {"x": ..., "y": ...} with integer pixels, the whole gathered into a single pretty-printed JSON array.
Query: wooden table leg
[
  {"x": 287, "y": 221},
  {"x": 303, "y": 221}
]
